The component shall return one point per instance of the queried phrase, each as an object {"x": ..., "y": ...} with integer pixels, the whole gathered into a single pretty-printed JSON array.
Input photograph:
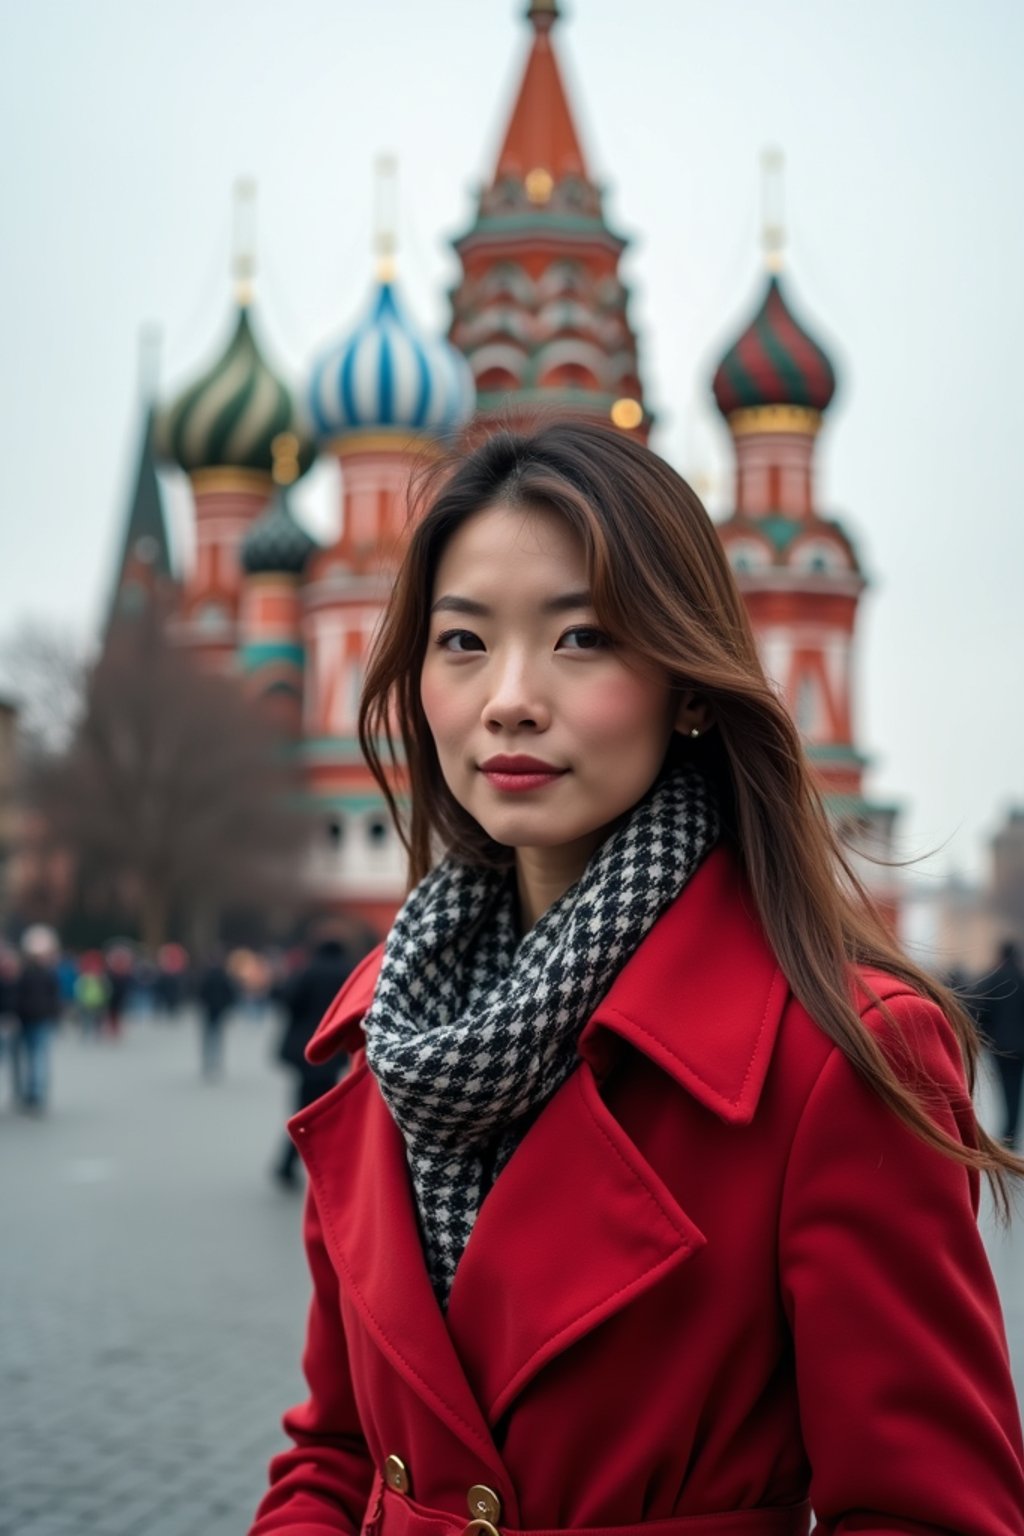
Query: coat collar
[{"x": 702, "y": 996}]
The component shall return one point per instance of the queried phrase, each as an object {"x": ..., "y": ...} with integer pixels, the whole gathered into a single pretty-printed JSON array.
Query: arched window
[
  {"x": 821, "y": 556},
  {"x": 747, "y": 555},
  {"x": 213, "y": 618}
]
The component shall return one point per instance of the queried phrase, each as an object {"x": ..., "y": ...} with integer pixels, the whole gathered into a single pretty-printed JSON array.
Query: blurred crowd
[{"x": 45, "y": 988}]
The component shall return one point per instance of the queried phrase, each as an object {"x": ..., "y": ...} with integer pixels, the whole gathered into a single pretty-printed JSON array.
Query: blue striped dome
[{"x": 387, "y": 374}]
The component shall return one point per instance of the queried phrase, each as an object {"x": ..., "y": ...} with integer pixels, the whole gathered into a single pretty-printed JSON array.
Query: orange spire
[{"x": 541, "y": 145}]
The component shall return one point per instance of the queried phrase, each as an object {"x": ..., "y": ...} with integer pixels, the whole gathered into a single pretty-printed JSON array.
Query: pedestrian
[
  {"x": 92, "y": 994},
  {"x": 119, "y": 967},
  {"x": 1001, "y": 1011},
  {"x": 67, "y": 977},
  {"x": 170, "y": 983},
  {"x": 216, "y": 994},
  {"x": 36, "y": 1006},
  {"x": 650, "y": 1197},
  {"x": 9, "y": 968},
  {"x": 306, "y": 998}
]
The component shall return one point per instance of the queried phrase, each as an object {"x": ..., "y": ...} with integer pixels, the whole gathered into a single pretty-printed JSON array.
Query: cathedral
[{"x": 539, "y": 318}]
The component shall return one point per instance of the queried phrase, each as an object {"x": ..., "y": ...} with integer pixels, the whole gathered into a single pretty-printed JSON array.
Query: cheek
[
  {"x": 441, "y": 704},
  {"x": 622, "y": 705}
]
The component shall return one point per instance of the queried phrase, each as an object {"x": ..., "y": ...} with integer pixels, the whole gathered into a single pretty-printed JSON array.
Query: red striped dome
[{"x": 774, "y": 362}]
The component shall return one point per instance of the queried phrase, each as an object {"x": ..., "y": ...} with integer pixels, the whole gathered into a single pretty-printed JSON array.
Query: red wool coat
[{"x": 717, "y": 1282}]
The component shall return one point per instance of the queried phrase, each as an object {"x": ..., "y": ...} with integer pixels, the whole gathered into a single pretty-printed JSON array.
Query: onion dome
[
  {"x": 230, "y": 416},
  {"x": 387, "y": 374},
  {"x": 276, "y": 542},
  {"x": 774, "y": 362}
]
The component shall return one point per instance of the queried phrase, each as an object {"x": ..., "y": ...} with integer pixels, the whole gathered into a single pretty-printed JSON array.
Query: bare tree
[
  {"x": 174, "y": 798},
  {"x": 43, "y": 669}
]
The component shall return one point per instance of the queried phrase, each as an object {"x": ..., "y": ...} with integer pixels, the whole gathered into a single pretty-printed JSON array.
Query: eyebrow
[{"x": 566, "y": 602}]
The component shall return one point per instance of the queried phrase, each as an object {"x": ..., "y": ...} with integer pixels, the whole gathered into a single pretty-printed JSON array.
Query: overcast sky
[{"x": 126, "y": 122}]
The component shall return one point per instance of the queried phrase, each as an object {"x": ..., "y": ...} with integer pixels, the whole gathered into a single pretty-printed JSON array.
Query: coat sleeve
[
  {"x": 907, "y": 1405},
  {"x": 321, "y": 1486}
]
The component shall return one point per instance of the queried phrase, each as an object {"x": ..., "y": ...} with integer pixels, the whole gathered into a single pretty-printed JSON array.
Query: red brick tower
[
  {"x": 541, "y": 312},
  {"x": 797, "y": 568}
]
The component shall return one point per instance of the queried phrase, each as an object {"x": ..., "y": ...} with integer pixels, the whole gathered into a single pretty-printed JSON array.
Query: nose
[{"x": 516, "y": 700}]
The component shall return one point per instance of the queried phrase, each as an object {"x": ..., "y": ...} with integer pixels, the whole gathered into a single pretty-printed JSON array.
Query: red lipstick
[{"x": 519, "y": 772}]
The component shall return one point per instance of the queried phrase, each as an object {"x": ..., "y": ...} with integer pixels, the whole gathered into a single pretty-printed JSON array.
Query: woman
[{"x": 651, "y": 1198}]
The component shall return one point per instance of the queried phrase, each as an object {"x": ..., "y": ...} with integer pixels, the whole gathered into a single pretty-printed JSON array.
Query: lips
[
  {"x": 520, "y": 763},
  {"x": 519, "y": 773}
]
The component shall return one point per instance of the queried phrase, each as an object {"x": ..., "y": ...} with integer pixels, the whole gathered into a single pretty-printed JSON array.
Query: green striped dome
[{"x": 230, "y": 416}]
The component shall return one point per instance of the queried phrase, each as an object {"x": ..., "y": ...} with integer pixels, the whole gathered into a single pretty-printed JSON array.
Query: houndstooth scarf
[{"x": 472, "y": 1029}]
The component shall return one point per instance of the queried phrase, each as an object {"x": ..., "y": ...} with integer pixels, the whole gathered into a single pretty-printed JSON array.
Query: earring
[{"x": 694, "y": 731}]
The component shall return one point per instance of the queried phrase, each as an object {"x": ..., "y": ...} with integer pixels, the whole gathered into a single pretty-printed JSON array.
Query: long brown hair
[{"x": 662, "y": 587}]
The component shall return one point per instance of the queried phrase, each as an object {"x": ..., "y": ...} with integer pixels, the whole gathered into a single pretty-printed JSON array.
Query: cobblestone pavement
[{"x": 153, "y": 1290}]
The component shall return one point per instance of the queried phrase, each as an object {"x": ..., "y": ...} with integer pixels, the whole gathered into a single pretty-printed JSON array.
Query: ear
[{"x": 693, "y": 714}]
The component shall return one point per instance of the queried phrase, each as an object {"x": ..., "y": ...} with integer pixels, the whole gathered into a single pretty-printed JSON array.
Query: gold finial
[
  {"x": 539, "y": 184},
  {"x": 284, "y": 449},
  {"x": 244, "y": 262},
  {"x": 385, "y": 216},
  {"x": 773, "y": 221}
]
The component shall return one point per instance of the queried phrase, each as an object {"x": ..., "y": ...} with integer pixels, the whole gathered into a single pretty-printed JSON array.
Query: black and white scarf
[{"x": 472, "y": 1028}]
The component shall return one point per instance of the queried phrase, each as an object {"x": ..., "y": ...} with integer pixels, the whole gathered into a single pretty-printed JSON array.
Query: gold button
[
  {"x": 484, "y": 1503},
  {"x": 396, "y": 1474}
]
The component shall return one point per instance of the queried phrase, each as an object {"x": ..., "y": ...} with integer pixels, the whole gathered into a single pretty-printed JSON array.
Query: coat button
[
  {"x": 396, "y": 1474},
  {"x": 484, "y": 1503}
]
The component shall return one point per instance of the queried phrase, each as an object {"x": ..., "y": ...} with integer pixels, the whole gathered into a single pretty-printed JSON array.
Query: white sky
[{"x": 125, "y": 123}]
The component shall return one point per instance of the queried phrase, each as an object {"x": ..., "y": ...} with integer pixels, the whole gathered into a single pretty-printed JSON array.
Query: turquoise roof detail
[
  {"x": 263, "y": 653},
  {"x": 779, "y": 529},
  {"x": 857, "y": 805}
]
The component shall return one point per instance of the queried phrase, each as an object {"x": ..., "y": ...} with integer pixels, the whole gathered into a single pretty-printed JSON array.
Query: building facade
[{"x": 540, "y": 320}]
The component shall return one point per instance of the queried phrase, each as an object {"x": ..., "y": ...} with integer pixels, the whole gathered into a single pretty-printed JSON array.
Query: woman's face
[{"x": 545, "y": 730}]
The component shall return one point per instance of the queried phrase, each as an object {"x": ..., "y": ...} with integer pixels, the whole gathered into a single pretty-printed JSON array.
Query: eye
[
  {"x": 584, "y": 637},
  {"x": 459, "y": 641}
]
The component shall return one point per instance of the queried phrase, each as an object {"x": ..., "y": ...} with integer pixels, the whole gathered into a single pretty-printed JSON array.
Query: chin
[{"x": 518, "y": 831}]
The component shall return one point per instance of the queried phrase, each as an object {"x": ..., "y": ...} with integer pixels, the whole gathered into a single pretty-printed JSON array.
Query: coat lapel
[
  {"x": 577, "y": 1226},
  {"x": 355, "y": 1158}
]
